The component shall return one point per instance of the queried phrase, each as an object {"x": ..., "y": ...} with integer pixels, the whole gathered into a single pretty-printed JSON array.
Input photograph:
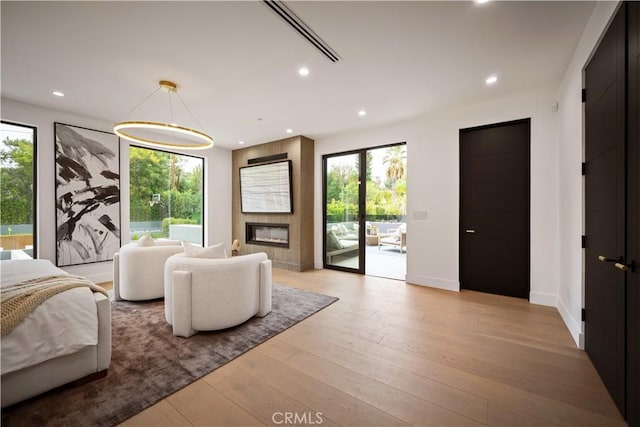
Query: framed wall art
[
  {"x": 266, "y": 188},
  {"x": 87, "y": 195}
]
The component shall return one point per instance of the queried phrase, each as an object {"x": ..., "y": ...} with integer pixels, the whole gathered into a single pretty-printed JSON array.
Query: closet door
[
  {"x": 495, "y": 208},
  {"x": 605, "y": 206},
  {"x": 633, "y": 218}
]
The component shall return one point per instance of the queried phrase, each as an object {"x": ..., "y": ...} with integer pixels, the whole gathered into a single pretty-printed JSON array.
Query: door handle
[
  {"x": 625, "y": 267},
  {"x": 619, "y": 263},
  {"x": 605, "y": 259},
  {"x": 470, "y": 231}
]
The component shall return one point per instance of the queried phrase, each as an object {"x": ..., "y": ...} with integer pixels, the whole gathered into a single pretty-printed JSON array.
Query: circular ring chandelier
[{"x": 190, "y": 139}]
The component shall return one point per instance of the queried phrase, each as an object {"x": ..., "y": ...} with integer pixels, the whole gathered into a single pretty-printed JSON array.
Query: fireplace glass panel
[{"x": 267, "y": 234}]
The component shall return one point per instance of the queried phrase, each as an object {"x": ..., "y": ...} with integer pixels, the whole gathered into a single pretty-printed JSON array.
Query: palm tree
[{"x": 395, "y": 159}]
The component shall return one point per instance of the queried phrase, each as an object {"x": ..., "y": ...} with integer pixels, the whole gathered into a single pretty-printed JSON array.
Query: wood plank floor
[{"x": 391, "y": 354}]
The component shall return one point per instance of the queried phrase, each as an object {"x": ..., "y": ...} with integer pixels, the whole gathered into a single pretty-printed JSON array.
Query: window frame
[
  {"x": 204, "y": 184},
  {"x": 35, "y": 224}
]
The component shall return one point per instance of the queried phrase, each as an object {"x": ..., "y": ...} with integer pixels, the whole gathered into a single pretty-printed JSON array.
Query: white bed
[{"x": 64, "y": 339}]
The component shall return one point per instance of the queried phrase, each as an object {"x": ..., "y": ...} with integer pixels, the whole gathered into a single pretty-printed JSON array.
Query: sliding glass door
[
  {"x": 344, "y": 206},
  {"x": 386, "y": 228},
  {"x": 365, "y": 211}
]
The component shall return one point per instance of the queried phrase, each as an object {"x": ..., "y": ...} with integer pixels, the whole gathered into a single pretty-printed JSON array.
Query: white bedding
[{"x": 62, "y": 325}]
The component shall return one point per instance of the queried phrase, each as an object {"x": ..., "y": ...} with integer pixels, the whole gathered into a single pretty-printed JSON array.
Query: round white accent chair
[
  {"x": 138, "y": 269},
  {"x": 204, "y": 294}
]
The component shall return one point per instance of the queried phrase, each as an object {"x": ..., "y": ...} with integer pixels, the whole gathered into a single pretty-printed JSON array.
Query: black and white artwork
[{"x": 87, "y": 195}]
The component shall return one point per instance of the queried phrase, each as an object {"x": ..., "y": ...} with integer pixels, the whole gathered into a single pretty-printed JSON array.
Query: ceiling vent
[{"x": 296, "y": 23}]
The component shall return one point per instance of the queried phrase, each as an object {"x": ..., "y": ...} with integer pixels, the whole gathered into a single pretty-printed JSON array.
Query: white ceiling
[{"x": 235, "y": 62}]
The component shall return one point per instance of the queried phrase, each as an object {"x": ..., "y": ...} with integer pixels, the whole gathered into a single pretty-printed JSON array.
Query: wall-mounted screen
[{"x": 266, "y": 188}]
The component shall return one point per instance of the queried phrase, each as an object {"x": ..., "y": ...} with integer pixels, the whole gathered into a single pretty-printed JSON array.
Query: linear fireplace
[{"x": 267, "y": 234}]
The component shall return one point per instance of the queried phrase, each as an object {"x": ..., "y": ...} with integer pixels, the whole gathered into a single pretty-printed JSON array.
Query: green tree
[
  {"x": 16, "y": 176},
  {"x": 149, "y": 175},
  {"x": 192, "y": 181},
  {"x": 342, "y": 190},
  {"x": 160, "y": 187},
  {"x": 395, "y": 159}
]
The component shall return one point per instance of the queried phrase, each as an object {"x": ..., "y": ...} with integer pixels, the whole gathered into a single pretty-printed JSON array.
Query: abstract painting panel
[
  {"x": 87, "y": 195},
  {"x": 266, "y": 188}
]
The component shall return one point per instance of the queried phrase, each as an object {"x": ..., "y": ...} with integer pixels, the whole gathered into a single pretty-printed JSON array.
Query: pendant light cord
[
  {"x": 141, "y": 102},
  {"x": 192, "y": 115},
  {"x": 171, "y": 122}
]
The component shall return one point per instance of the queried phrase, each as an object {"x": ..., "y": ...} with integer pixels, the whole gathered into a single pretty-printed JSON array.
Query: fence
[
  {"x": 8, "y": 229},
  {"x": 349, "y": 217},
  {"x": 142, "y": 227},
  {"x": 16, "y": 241}
]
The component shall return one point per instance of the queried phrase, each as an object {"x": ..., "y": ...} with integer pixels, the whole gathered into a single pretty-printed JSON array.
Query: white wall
[
  {"x": 217, "y": 184},
  {"x": 433, "y": 186},
  {"x": 571, "y": 291},
  {"x": 556, "y": 183}
]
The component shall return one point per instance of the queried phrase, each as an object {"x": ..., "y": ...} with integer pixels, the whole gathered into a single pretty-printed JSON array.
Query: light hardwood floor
[{"x": 391, "y": 354}]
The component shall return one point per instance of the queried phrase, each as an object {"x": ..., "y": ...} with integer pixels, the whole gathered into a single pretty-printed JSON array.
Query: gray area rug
[{"x": 148, "y": 363}]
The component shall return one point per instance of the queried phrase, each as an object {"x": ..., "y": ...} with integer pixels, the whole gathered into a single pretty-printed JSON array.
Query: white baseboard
[
  {"x": 434, "y": 282},
  {"x": 574, "y": 326},
  {"x": 543, "y": 299}
]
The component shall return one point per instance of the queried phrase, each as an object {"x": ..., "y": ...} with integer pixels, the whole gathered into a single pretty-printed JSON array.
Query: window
[
  {"x": 18, "y": 200},
  {"x": 166, "y": 195}
]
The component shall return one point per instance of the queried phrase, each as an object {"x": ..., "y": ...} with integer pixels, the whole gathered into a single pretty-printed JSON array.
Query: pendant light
[{"x": 163, "y": 134}]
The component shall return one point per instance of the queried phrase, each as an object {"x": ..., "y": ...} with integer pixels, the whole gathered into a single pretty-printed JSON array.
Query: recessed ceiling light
[
  {"x": 362, "y": 113},
  {"x": 491, "y": 80},
  {"x": 304, "y": 71},
  {"x": 57, "y": 93},
  {"x": 288, "y": 131},
  {"x": 241, "y": 142},
  {"x": 481, "y": 1}
]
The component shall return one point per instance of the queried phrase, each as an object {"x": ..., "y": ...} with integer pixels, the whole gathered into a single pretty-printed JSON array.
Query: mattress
[{"x": 64, "y": 324}]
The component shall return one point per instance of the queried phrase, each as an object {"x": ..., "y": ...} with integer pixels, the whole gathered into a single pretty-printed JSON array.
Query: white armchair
[
  {"x": 203, "y": 294},
  {"x": 138, "y": 269}
]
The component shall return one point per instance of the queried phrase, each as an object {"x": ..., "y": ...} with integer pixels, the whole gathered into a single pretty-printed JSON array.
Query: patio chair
[{"x": 396, "y": 238}]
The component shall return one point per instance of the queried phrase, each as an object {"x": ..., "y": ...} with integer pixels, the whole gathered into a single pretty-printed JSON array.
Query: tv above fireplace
[{"x": 266, "y": 188}]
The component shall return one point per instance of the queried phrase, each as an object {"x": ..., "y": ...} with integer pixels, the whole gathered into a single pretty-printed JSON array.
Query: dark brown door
[
  {"x": 605, "y": 195},
  {"x": 633, "y": 218},
  {"x": 494, "y": 208}
]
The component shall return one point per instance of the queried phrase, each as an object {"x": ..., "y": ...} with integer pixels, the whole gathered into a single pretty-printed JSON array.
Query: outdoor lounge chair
[
  {"x": 397, "y": 238},
  {"x": 335, "y": 246}
]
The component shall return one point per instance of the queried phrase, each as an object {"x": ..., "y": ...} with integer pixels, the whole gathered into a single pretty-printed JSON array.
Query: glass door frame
[
  {"x": 362, "y": 208},
  {"x": 362, "y": 158}
]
